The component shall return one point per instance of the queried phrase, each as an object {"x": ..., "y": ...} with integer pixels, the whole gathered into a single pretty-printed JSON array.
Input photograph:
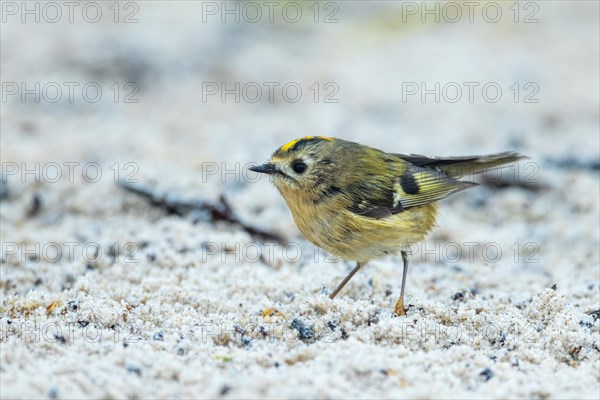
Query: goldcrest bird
[{"x": 360, "y": 203}]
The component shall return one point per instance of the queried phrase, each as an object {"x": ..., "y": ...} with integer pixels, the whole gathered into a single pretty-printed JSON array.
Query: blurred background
[
  {"x": 184, "y": 83},
  {"x": 184, "y": 95},
  {"x": 171, "y": 86},
  {"x": 180, "y": 96}
]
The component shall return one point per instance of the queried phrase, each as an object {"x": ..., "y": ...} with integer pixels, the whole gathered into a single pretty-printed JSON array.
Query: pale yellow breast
[{"x": 353, "y": 237}]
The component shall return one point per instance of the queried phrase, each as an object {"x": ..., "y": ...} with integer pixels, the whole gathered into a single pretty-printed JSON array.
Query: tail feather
[{"x": 457, "y": 167}]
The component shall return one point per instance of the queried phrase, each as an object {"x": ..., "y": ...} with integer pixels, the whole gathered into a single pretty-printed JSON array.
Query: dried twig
[
  {"x": 575, "y": 163},
  {"x": 199, "y": 210},
  {"x": 505, "y": 183}
]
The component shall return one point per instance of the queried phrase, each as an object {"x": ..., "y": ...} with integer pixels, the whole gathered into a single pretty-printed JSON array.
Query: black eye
[{"x": 299, "y": 167}]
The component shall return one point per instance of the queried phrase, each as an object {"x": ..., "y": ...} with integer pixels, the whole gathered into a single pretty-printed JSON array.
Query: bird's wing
[{"x": 411, "y": 186}]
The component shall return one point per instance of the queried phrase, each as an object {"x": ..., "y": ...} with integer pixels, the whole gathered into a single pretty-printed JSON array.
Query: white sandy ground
[{"x": 187, "y": 310}]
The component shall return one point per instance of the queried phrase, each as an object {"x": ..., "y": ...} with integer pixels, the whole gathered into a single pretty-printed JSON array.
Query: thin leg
[
  {"x": 346, "y": 279},
  {"x": 399, "y": 309}
]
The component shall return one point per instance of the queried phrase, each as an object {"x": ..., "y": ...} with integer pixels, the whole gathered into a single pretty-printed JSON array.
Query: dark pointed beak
[{"x": 266, "y": 168}]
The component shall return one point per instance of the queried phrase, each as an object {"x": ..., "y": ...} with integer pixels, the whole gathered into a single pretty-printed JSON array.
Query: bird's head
[{"x": 303, "y": 166}]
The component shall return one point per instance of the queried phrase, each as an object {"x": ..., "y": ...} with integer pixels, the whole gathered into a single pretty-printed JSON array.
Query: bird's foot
[{"x": 399, "y": 309}]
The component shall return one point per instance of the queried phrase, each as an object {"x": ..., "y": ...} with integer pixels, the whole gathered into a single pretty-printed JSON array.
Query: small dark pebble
[
  {"x": 388, "y": 292},
  {"x": 502, "y": 340},
  {"x": 53, "y": 392},
  {"x": 290, "y": 296},
  {"x": 344, "y": 334},
  {"x": 180, "y": 351},
  {"x": 478, "y": 202},
  {"x": 586, "y": 324},
  {"x": 239, "y": 329},
  {"x": 60, "y": 338},
  {"x": 73, "y": 305},
  {"x": 458, "y": 296},
  {"x": 36, "y": 205},
  {"x": 383, "y": 371},
  {"x": 3, "y": 188},
  {"x": 554, "y": 287},
  {"x": 83, "y": 324},
  {"x": 134, "y": 370},
  {"x": 224, "y": 390},
  {"x": 486, "y": 374},
  {"x": 334, "y": 325},
  {"x": 276, "y": 364},
  {"x": 113, "y": 252},
  {"x": 305, "y": 333},
  {"x": 524, "y": 304},
  {"x": 263, "y": 331},
  {"x": 374, "y": 318},
  {"x": 159, "y": 336},
  {"x": 574, "y": 352}
]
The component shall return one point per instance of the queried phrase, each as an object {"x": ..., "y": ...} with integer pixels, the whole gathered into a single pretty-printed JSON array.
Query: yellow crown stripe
[{"x": 291, "y": 144}]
